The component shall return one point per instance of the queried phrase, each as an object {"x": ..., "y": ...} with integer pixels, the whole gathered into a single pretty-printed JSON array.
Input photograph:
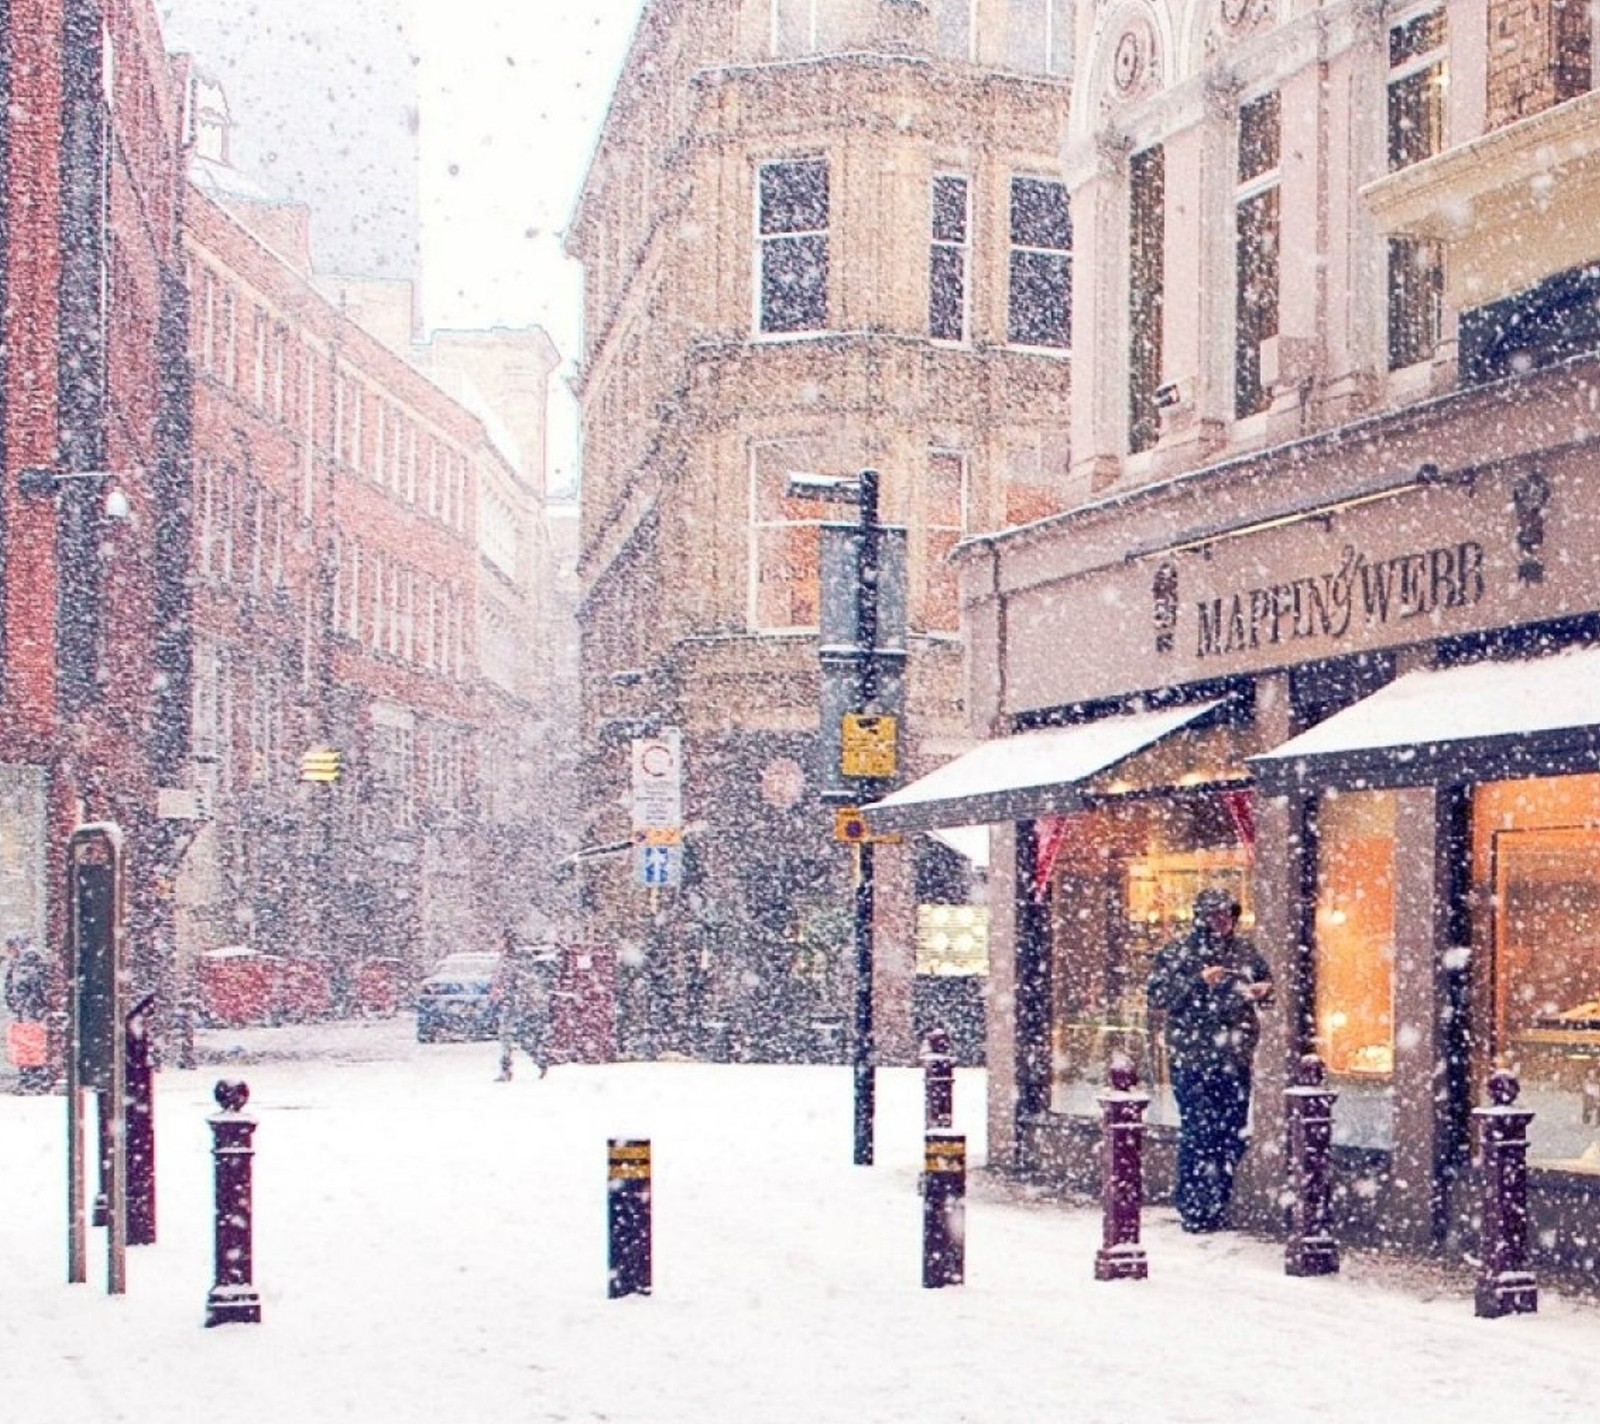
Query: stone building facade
[
  {"x": 1334, "y": 524},
  {"x": 816, "y": 238}
]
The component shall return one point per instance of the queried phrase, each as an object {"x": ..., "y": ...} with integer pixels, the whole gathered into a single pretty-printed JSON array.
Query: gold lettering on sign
[{"x": 1327, "y": 605}]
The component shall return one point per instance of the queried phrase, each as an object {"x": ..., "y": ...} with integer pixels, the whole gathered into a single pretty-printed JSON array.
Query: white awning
[
  {"x": 1038, "y": 773},
  {"x": 1488, "y": 721}
]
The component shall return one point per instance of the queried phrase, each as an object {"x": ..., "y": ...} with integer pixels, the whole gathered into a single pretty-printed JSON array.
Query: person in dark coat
[
  {"x": 522, "y": 995},
  {"x": 1211, "y": 985}
]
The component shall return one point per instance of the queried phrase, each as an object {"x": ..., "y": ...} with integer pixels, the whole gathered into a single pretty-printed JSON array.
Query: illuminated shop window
[
  {"x": 952, "y": 939},
  {"x": 1125, "y": 879},
  {"x": 1354, "y": 958},
  {"x": 1537, "y": 854}
]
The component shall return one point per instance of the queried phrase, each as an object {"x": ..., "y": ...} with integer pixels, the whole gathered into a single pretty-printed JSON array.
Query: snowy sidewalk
[{"x": 430, "y": 1246}]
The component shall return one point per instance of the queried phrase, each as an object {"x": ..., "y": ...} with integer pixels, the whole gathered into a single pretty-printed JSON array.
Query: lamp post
[
  {"x": 39, "y": 482},
  {"x": 859, "y": 596}
]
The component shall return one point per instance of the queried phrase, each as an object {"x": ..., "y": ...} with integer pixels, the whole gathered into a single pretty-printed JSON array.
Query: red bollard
[
  {"x": 1505, "y": 1284},
  {"x": 944, "y": 1210},
  {"x": 938, "y": 1081},
  {"x": 1311, "y": 1249},
  {"x": 1121, "y": 1257},
  {"x": 233, "y": 1297},
  {"x": 139, "y": 1122}
]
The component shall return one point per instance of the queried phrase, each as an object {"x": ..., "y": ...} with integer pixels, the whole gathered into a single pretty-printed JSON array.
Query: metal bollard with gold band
[
  {"x": 944, "y": 1209},
  {"x": 628, "y": 1216}
]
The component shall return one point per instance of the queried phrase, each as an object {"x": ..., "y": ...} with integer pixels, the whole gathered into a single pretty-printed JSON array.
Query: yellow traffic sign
[
  {"x": 868, "y": 746},
  {"x": 320, "y": 764},
  {"x": 658, "y": 836}
]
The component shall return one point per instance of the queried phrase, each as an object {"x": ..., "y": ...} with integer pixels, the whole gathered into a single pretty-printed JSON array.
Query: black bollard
[
  {"x": 1311, "y": 1249},
  {"x": 140, "y": 1125},
  {"x": 233, "y": 1297},
  {"x": 1505, "y": 1284},
  {"x": 1121, "y": 1257},
  {"x": 938, "y": 1081},
  {"x": 944, "y": 1210},
  {"x": 628, "y": 1216}
]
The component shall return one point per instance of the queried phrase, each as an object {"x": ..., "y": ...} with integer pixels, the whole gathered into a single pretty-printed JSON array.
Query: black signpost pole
[
  {"x": 866, "y": 1087},
  {"x": 95, "y": 1042}
]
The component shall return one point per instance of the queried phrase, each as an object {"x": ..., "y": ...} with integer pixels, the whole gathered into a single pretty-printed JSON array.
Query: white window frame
[
  {"x": 1067, "y": 254},
  {"x": 757, "y": 527},
  {"x": 965, "y": 249},
  {"x": 762, "y": 240}
]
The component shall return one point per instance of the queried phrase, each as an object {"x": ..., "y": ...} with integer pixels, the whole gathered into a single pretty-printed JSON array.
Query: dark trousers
[{"x": 1213, "y": 1111}]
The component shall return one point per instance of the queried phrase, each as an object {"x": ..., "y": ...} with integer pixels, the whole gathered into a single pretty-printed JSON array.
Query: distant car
[{"x": 456, "y": 1000}]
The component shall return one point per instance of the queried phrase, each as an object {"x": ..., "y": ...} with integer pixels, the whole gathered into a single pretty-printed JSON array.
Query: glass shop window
[
  {"x": 1537, "y": 853},
  {"x": 1125, "y": 878},
  {"x": 1354, "y": 960}
]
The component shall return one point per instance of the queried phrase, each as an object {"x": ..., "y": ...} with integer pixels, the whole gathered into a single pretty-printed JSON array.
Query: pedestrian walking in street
[
  {"x": 27, "y": 993},
  {"x": 1211, "y": 984},
  {"x": 521, "y": 992}
]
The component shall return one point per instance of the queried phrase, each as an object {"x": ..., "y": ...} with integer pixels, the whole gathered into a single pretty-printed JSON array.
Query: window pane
[
  {"x": 1416, "y": 37},
  {"x": 1026, "y": 35},
  {"x": 794, "y": 197},
  {"x": 791, "y": 26},
  {"x": 1354, "y": 959},
  {"x": 1416, "y": 117},
  {"x": 1041, "y": 299},
  {"x": 1416, "y": 289},
  {"x": 1257, "y": 310},
  {"x": 947, "y": 294},
  {"x": 949, "y": 209},
  {"x": 952, "y": 26},
  {"x": 1259, "y": 129},
  {"x": 1537, "y": 849},
  {"x": 787, "y": 582},
  {"x": 1039, "y": 214},
  {"x": 794, "y": 284}
]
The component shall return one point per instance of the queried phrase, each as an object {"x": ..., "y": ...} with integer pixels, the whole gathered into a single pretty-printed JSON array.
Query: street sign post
[
  {"x": 95, "y": 1041},
  {"x": 862, "y": 650},
  {"x": 656, "y": 809}
]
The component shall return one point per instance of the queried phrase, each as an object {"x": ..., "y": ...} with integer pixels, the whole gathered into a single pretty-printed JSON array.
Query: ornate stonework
[{"x": 1136, "y": 69}]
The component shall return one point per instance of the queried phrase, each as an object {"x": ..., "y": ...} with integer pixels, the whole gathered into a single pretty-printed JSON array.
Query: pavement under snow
[{"x": 430, "y": 1246}]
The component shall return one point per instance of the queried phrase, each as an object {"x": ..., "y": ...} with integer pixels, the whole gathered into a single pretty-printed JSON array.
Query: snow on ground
[{"x": 430, "y": 1246}]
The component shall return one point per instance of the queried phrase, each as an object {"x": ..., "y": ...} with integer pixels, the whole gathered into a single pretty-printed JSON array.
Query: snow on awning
[
  {"x": 1031, "y": 774},
  {"x": 971, "y": 843},
  {"x": 1488, "y": 721}
]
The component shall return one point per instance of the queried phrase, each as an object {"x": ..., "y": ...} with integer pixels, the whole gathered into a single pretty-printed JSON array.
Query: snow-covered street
[{"x": 430, "y": 1246}]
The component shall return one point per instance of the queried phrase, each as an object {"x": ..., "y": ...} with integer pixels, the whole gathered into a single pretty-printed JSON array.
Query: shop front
[{"x": 1365, "y": 703}]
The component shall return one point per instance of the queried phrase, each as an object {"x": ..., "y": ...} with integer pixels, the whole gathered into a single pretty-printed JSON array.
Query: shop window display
[
  {"x": 1125, "y": 878},
  {"x": 1354, "y": 961},
  {"x": 1537, "y": 855}
]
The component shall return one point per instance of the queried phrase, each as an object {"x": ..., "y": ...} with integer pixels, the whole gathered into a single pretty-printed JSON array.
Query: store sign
[{"x": 1361, "y": 593}]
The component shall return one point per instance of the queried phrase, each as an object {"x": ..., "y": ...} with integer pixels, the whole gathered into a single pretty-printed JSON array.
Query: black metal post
[
  {"x": 628, "y": 1217},
  {"x": 867, "y": 692},
  {"x": 233, "y": 1297},
  {"x": 944, "y": 1210},
  {"x": 1505, "y": 1284},
  {"x": 140, "y": 1126}
]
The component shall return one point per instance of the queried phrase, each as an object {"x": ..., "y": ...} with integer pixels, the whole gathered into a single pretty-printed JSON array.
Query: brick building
[
  {"x": 93, "y": 655},
  {"x": 368, "y": 551},
  {"x": 815, "y": 238},
  {"x": 1334, "y": 512}
]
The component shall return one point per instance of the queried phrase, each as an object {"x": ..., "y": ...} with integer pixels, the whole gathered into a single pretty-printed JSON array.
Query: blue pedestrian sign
[{"x": 657, "y": 866}]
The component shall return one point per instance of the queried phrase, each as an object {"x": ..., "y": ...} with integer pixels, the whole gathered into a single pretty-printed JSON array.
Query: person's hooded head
[{"x": 1216, "y": 909}]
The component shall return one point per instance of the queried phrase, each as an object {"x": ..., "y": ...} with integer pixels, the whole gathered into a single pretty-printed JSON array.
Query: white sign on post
[
  {"x": 656, "y": 806},
  {"x": 657, "y": 781}
]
